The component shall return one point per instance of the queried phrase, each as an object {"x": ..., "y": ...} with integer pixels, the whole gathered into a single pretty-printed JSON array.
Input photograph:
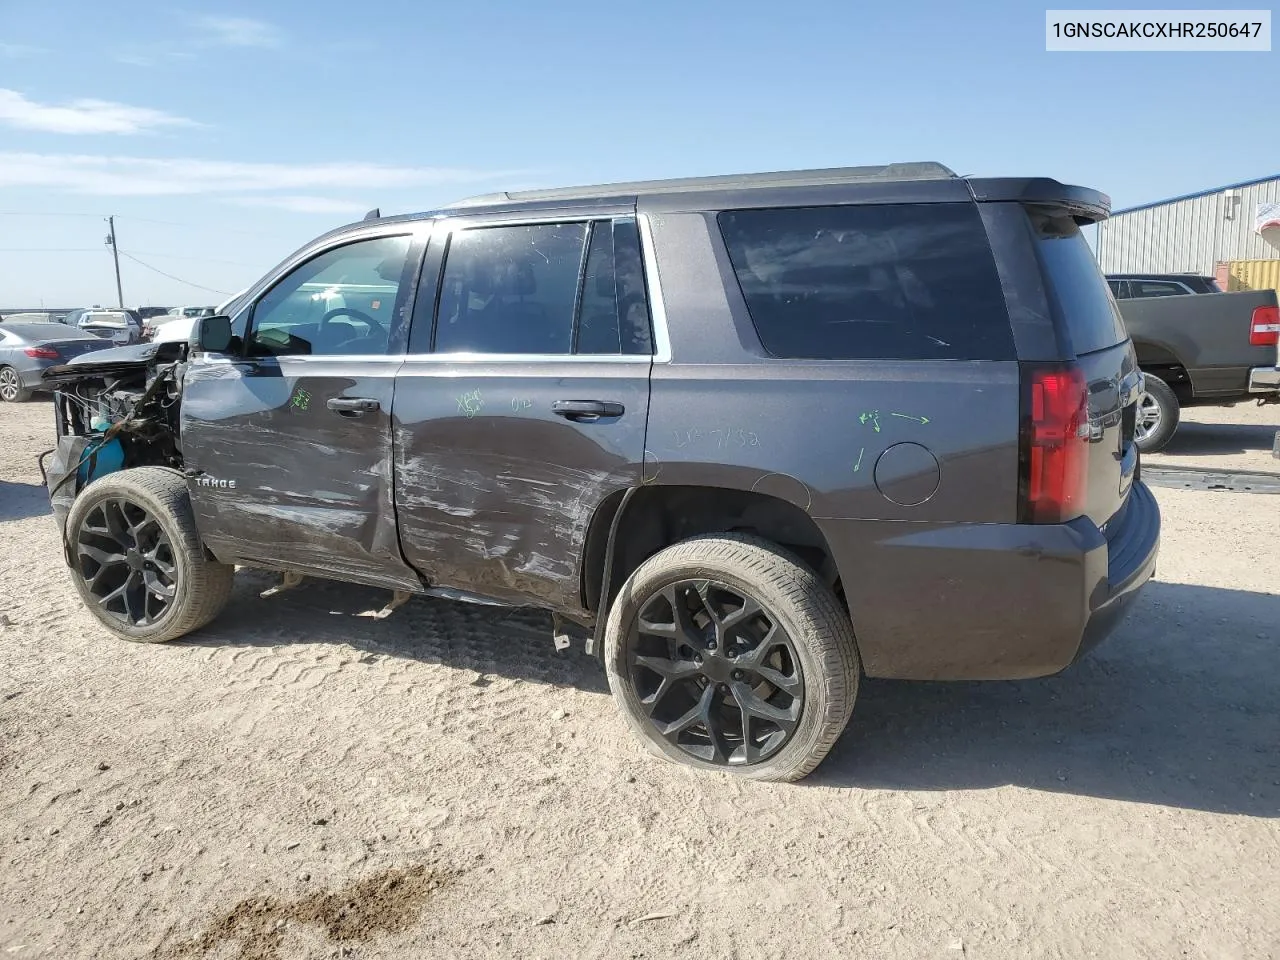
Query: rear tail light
[
  {"x": 41, "y": 353},
  {"x": 1264, "y": 329},
  {"x": 1054, "y": 450}
]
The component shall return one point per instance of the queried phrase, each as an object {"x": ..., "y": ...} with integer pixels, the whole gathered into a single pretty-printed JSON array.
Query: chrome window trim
[
  {"x": 480, "y": 358},
  {"x": 653, "y": 283}
]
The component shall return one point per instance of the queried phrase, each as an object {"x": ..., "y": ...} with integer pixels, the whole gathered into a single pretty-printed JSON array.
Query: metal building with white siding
[{"x": 1189, "y": 234}]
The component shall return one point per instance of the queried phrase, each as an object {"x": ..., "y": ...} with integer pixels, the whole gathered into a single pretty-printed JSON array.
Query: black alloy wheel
[
  {"x": 715, "y": 672},
  {"x": 127, "y": 562}
]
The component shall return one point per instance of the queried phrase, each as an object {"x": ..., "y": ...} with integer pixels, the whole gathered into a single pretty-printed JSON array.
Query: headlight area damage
[{"x": 114, "y": 409}]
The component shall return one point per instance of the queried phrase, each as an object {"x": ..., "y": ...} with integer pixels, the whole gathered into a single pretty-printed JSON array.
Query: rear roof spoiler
[{"x": 1085, "y": 205}]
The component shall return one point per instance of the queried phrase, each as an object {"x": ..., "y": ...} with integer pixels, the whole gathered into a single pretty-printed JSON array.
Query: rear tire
[
  {"x": 759, "y": 693},
  {"x": 11, "y": 388},
  {"x": 1158, "y": 415},
  {"x": 137, "y": 560}
]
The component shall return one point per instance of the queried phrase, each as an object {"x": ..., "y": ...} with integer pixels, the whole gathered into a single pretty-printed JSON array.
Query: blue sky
[{"x": 223, "y": 137}]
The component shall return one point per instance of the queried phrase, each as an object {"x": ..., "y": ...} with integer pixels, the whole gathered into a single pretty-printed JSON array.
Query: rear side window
[
  {"x": 878, "y": 282},
  {"x": 1077, "y": 288}
]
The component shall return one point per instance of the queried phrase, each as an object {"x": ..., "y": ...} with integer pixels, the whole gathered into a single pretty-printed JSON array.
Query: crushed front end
[{"x": 114, "y": 410}]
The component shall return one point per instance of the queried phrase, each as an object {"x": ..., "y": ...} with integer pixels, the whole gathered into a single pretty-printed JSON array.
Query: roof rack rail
[{"x": 921, "y": 170}]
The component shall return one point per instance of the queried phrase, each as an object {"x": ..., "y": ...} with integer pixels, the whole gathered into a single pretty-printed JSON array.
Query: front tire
[
  {"x": 725, "y": 652},
  {"x": 137, "y": 560},
  {"x": 1158, "y": 415},
  {"x": 11, "y": 388}
]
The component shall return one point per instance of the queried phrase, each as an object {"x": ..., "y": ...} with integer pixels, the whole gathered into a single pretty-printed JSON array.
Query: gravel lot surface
[{"x": 300, "y": 780}]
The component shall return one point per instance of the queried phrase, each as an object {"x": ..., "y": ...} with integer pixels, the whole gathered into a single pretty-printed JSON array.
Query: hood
[{"x": 100, "y": 363}]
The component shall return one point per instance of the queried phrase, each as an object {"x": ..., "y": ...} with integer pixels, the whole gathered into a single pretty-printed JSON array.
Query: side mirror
[{"x": 213, "y": 334}]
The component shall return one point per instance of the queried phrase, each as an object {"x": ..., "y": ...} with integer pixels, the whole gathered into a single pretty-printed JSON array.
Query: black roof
[{"x": 1087, "y": 205}]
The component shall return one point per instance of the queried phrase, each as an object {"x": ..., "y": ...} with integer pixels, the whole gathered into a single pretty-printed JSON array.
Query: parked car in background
[
  {"x": 121, "y": 327},
  {"x": 30, "y": 316},
  {"x": 709, "y": 424},
  {"x": 146, "y": 313},
  {"x": 192, "y": 311},
  {"x": 156, "y": 321},
  {"x": 171, "y": 329},
  {"x": 1136, "y": 286},
  {"x": 28, "y": 349},
  {"x": 1202, "y": 349},
  {"x": 72, "y": 318}
]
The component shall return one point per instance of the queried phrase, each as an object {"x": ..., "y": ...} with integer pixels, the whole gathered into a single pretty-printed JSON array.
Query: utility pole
[{"x": 115, "y": 255}]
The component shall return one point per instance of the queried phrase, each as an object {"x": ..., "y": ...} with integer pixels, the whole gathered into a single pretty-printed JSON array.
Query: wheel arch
[{"x": 638, "y": 522}]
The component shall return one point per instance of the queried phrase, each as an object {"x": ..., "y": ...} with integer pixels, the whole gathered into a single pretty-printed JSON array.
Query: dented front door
[
  {"x": 282, "y": 478},
  {"x": 288, "y": 438}
]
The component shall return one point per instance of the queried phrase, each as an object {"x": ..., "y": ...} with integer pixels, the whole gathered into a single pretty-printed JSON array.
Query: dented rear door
[{"x": 522, "y": 403}]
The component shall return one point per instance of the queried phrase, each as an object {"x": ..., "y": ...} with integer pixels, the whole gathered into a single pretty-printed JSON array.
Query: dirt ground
[{"x": 302, "y": 781}]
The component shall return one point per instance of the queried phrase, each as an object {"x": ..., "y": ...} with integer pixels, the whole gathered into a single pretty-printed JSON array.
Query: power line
[
  {"x": 171, "y": 276},
  {"x": 133, "y": 219},
  {"x": 141, "y": 253},
  {"x": 23, "y": 213}
]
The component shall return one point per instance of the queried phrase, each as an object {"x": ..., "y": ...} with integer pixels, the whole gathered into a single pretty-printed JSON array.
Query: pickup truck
[{"x": 1210, "y": 349}]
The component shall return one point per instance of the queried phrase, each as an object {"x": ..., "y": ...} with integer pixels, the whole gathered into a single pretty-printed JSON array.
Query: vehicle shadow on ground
[
  {"x": 1179, "y": 707},
  {"x": 497, "y": 641},
  {"x": 1208, "y": 439},
  {"x": 21, "y": 500}
]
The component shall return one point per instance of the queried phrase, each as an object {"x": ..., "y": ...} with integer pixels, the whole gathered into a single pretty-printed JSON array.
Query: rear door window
[
  {"x": 875, "y": 282},
  {"x": 1077, "y": 290},
  {"x": 552, "y": 288}
]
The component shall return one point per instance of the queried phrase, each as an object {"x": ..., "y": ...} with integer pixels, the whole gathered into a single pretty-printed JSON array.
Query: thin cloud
[
  {"x": 239, "y": 32},
  {"x": 139, "y": 176},
  {"x": 19, "y": 50},
  {"x": 83, "y": 116},
  {"x": 152, "y": 60},
  {"x": 303, "y": 204}
]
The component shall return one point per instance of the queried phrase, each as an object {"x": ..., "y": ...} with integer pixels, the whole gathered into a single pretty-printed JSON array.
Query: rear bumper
[
  {"x": 1264, "y": 380},
  {"x": 33, "y": 377},
  {"x": 1131, "y": 562},
  {"x": 990, "y": 601}
]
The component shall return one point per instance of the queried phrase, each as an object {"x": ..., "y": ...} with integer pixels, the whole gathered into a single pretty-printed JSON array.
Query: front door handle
[
  {"x": 352, "y": 406},
  {"x": 587, "y": 410}
]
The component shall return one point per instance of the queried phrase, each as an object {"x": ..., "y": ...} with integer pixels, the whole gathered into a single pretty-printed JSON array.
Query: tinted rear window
[
  {"x": 1077, "y": 288},
  {"x": 880, "y": 282}
]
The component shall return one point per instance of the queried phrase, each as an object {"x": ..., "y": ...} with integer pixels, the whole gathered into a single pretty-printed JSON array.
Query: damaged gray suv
[{"x": 748, "y": 438}]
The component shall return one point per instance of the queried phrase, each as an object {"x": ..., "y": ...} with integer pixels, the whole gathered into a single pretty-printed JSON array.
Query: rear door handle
[
  {"x": 352, "y": 406},
  {"x": 587, "y": 410}
]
